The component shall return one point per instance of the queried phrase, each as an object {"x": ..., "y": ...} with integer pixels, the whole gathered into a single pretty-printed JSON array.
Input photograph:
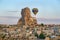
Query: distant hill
[
  {"x": 8, "y": 20},
  {"x": 14, "y": 20},
  {"x": 48, "y": 21}
]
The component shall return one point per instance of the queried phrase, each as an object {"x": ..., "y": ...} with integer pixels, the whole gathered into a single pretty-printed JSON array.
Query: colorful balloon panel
[{"x": 35, "y": 10}]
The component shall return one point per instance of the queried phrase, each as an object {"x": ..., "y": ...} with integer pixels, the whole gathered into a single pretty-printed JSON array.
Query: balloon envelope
[{"x": 35, "y": 10}]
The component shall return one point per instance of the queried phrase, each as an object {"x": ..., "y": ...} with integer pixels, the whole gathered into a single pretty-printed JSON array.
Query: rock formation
[{"x": 26, "y": 18}]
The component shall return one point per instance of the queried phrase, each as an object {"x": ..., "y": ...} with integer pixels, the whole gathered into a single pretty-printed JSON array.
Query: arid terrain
[{"x": 28, "y": 29}]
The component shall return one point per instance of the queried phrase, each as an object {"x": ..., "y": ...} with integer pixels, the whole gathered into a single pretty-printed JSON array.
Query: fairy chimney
[{"x": 26, "y": 18}]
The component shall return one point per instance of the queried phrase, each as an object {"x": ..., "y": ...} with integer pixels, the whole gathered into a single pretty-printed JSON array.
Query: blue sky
[{"x": 47, "y": 8}]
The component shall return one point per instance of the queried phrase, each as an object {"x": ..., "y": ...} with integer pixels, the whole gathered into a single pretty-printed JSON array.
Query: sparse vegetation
[
  {"x": 41, "y": 36},
  {"x": 42, "y": 24}
]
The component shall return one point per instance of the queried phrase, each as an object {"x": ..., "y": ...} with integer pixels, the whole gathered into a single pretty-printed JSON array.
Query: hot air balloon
[{"x": 35, "y": 10}]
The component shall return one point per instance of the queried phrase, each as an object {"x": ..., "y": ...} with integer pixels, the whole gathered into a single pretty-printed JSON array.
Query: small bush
[{"x": 41, "y": 36}]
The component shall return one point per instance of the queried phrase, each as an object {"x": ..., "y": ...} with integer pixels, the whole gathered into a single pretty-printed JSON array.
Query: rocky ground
[{"x": 13, "y": 32}]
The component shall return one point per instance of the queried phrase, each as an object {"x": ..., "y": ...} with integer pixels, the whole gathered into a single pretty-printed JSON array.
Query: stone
[
  {"x": 47, "y": 38},
  {"x": 26, "y": 18}
]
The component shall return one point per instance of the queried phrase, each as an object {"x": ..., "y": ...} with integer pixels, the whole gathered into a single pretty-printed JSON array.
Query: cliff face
[{"x": 26, "y": 18}]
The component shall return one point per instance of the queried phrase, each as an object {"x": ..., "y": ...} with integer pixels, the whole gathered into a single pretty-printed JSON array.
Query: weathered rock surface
[{"x": 26, "y": 18}]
